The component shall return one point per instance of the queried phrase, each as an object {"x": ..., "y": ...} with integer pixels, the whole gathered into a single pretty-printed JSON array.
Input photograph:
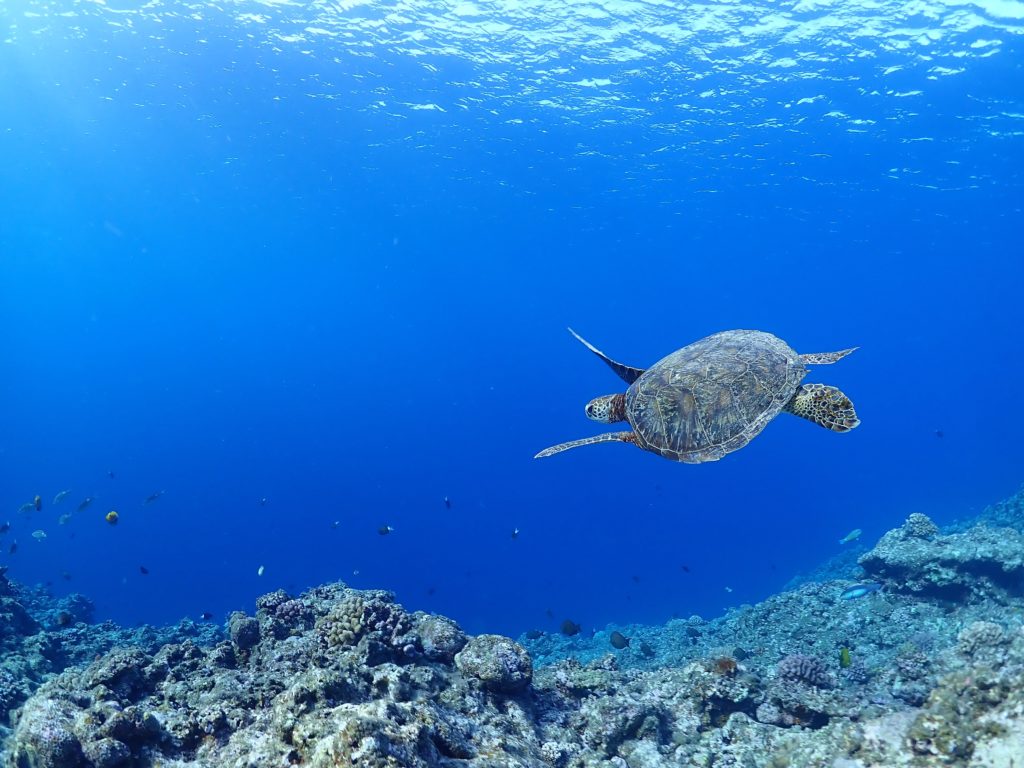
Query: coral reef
[
  {"x": 41, "y": 635},
  {"x": 927, "y": 671},
  {"x": 980, "y": 564}
]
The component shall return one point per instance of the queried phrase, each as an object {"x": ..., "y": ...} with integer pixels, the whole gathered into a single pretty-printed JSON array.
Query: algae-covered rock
[
  {"x": 500, "y": 663},
  {"x": 440, "y": 637},
  {"x": 243, "y": 630},
  {"x": 45, "y": 737},
  {"x": 107, "y": 753}
]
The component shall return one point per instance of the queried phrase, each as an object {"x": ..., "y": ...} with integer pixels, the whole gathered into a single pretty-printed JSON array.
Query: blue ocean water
[{"x": 306, "y": 270}]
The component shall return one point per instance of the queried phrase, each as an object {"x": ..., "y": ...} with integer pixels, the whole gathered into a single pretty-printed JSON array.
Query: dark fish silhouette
[
  {"x": 570, "y": 628},
  {"x": 618, "y": 640},
  {"x": 143, "y": 570},
  {"x": 447, "y": 503}
]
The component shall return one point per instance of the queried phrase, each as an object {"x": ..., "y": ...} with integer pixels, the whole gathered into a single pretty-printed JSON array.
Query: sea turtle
[{"x": 714, "y": 396}]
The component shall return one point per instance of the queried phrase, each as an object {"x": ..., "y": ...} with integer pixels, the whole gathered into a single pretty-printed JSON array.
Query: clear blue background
[{"x": 240, "y": 260}]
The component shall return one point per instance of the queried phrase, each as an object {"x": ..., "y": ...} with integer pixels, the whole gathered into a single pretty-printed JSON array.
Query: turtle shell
[{"x": 714, "y": 396}]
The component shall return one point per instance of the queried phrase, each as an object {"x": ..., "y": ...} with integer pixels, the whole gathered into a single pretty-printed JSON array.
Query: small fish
[
  {"x": 13, "y": 548},
  {"x": 355, "y": 572},
  {"x": 110, "y": 474},
  {"x": 844, "y": 658},
  {"x": 384, "y": 530},
  {"x": 851, "y": 536},
  {"x": 534, "y": 634},
  {"x": 65, "y": 575},
  {"x": 447, "y": 503},
  {"x": 39, "y": 535},
  {"x": 144, "y": 570},
  {"x": 64, "y": 519},
  {"x": 28, "y": 506},
  {"x": 153, "y": 497},
  {"x": 37, "y": 502},
  {"x": 64, "y": 619},
  {"x": 259, "y": 571},
  {"x": 336, "y": 523},
  {"x": 515, "y": 533},
  {"x": 5, "y": 527},
  {"x": 112, "y": 517},
  {"x": 85, "y": 503},
  {"x": 684, "y": 568},
  {"x": 263, "y": 501},
  {"x": 728, "y": 589},
  {"x": 61, "y": 496},
  {"x": 859, "y": 590},
  {"x": 618, "y": 640},
  {"x": 205, "y": 615},
  {"x": 570, "y": 628},
  {"x": 939, "y": 433}
]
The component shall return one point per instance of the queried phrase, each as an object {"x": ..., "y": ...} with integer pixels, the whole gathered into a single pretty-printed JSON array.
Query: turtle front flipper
[
  {"x": 825, "y": 406},
  {"x": 627, "y": 373},
  {"x": 607, "y": 437},
  {"x": 826, "y": 358}
]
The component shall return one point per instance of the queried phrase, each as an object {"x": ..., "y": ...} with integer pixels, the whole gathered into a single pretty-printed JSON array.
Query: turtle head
[{"x": 607, "y": 409}]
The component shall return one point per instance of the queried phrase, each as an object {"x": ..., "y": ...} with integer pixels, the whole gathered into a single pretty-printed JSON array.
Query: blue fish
[{"x": 859, "y": 590}]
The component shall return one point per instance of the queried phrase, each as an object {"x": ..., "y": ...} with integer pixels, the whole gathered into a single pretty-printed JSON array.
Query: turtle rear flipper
[
  {"x": 825, "y": 406},
  {"x": 627, "y": 373},
  {"x": 826, "y": 358},
  {"x": 607, "y": 437}
]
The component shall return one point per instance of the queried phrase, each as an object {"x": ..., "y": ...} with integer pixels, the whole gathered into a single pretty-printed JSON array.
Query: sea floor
[{"x": 925, "y": 670}]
